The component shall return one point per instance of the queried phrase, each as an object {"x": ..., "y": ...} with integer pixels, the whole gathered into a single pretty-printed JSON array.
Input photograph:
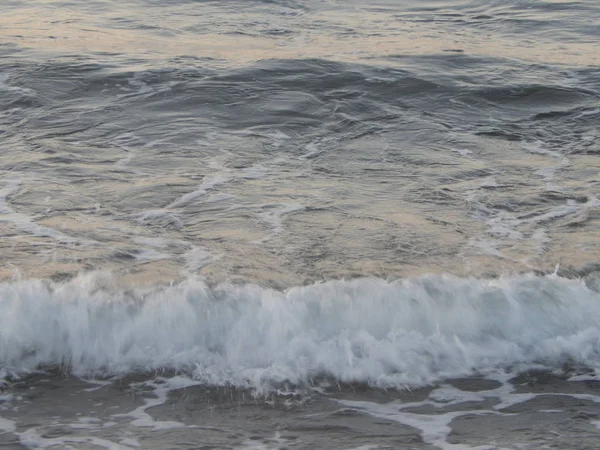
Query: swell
[
  {"x": 410, "y": 332},
  {"x": 51, "y": 104}
]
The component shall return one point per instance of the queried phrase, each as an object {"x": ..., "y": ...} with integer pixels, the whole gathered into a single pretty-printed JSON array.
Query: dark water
[{"x": 181, "y": 181}]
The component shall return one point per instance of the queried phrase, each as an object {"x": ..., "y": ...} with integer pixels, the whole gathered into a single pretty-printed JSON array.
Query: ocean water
[{"x": 294, "y": 224}]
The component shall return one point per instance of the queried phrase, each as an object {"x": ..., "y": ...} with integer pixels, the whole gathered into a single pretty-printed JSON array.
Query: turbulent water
[{"x": 300, "y": 224}]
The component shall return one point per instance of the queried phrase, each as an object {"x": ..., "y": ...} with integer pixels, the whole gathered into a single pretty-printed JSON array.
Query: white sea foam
[
  {"x": 208, "y": 184},
  {"x": 86, "y": 423},
  {"x": 406, "y": 333},
  {"x": 150, "y": 254},
  {"x": 161, "y": 387},
  {"x": 274, "y": 215},
  {"x": 220, "y": 197},
  {"x": 158, "y": 216},
  {"x": 26, "y": 223},
  {"x": 462, "y": 151},
  {"x": 31, "y": 439},
  {"x": 435, "y": 428},
  {"x": 255, "y": 172},
  {"x": 5, "y": 86},
  {"x": 312, "y": 151},
  {"x": 197, "y": 258},
  {"x": 7, "y": 426},
  {"x": 276, "y": 442},
  {"x": 130, "y": 442}
]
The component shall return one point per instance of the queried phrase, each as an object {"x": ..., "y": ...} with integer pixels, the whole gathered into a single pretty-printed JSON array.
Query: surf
[{"x": 389, "y": 334}]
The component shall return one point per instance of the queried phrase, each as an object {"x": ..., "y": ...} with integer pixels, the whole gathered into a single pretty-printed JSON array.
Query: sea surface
[{"x": 300, "y": 224}]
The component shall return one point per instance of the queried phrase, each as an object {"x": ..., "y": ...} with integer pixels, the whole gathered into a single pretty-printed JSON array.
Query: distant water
[{"x": 299, "y": 224}]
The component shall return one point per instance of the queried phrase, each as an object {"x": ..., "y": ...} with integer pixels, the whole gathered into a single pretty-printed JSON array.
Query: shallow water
[
  {"x": 180, "y": 181},
  {"x": 280, "y": 164}
]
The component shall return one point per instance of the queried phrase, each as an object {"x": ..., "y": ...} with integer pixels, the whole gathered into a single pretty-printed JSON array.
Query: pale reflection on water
[{"x": 235, "y": 34}]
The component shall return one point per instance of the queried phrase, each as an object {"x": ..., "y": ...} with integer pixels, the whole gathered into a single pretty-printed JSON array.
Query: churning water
[{"x": 299, "y": 224}]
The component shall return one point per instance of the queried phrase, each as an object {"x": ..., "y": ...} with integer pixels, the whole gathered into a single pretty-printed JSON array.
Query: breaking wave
[{"x": 404, "y": 333}]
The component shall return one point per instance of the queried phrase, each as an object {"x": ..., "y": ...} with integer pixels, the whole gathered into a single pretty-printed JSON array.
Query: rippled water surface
[
  {"x": 286, "y": 142},
  {"x": 176, "y": 175}
]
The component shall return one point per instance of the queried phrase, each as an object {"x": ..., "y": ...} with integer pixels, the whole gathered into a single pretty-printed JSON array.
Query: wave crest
[{"x": 405, "y": 333}]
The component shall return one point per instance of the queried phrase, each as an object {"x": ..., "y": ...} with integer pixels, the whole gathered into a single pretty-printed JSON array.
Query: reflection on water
[{"x": 558, "y": 32}]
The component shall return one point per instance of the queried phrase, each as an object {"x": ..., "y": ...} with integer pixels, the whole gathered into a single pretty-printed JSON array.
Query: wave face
[{"x": 405, "y": 333}]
